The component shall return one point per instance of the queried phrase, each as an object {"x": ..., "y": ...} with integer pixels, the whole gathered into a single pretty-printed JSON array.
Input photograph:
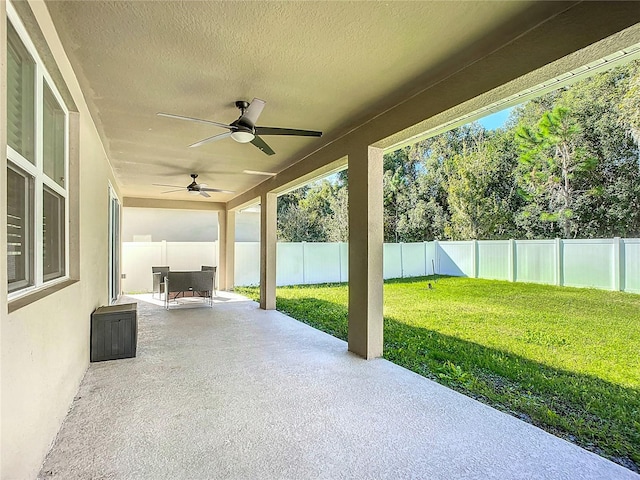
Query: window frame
[
  {"x": 24, "y": 111},
  {"x": 27, "y": 182},
  {"x": 35, "y": 170},
  {"x": 60, "y": 233}
]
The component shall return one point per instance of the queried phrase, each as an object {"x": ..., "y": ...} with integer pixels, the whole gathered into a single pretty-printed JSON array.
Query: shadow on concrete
[{"x": 597, "y": 415}]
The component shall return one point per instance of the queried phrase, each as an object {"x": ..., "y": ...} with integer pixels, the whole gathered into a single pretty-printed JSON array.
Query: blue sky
[{"x": 495, "y": 120}]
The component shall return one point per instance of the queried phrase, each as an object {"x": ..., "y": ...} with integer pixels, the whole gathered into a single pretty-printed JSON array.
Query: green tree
[
  {"x": 565, "y": 164},
  {"x": 336, "y": 226},
  {"x": 551, "y": 158},
  {"x": 611, "y": 205},
  {"x": 317, "y": 204},
  {"x": 314, "y": 213},
  {"x": 400, "y": 173},
  {"x": 630, "y": 103},
  {"x": 477, "y": 201},
  {"x": 295, "y": 225}
]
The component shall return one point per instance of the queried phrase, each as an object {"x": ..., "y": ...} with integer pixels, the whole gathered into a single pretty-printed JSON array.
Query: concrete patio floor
[{"x": 237, "y": 392}]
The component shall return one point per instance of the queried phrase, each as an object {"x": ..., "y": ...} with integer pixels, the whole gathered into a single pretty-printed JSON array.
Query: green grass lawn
[{"x": 564, "y": 359}]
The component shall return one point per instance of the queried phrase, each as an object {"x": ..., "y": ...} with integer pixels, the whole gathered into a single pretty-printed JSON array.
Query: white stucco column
[
  {"x": 226, "y": 249},
  {"x": 268, "y": 224},
  {"x": 366, "y": 237}
]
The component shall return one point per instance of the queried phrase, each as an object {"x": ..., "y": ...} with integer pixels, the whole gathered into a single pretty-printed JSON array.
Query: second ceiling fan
[{"x": 244, "y": 129}]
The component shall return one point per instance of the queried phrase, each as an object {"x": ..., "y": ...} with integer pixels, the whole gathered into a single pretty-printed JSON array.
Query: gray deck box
[{"x": 114, "y": 332}]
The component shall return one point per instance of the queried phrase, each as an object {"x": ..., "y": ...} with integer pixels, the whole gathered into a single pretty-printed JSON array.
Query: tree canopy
[{"x": 566, "y": 164}]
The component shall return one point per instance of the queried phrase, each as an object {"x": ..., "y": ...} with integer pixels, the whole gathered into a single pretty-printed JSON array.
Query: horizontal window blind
[
  {"x": 19, "y": 259},
  {"x": 52, "y": 235},
  {"x": 20, "y": 96},
  {"x": 53, "y": 126}
]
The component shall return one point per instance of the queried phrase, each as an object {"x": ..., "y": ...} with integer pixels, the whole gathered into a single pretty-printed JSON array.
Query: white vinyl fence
[
  {"x": 610, "y": 264},
  {"x": 139, "y": 257}
]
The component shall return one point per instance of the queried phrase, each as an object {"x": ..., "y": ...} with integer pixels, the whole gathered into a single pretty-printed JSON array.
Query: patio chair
[
  {"x": 205, "y": 268},
  {"x": 159, "y": 278}
]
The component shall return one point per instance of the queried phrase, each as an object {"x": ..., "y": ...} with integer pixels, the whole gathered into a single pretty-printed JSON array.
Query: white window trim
[
  {"x": 113, "y": 196},
  {"x": 37, "y": 170}
]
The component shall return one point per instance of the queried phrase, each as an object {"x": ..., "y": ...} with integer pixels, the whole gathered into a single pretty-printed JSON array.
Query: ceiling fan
[
  {"x": 194, "y": 188},
  {"x": 244, "y": 129}
]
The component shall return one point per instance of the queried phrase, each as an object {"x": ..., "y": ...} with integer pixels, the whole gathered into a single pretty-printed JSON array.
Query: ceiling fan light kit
[
  {"x": 244, "y": 129},
  {"x": 242, "y": 137}
]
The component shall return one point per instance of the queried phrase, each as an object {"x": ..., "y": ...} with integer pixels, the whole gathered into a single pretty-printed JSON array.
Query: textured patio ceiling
[{"x": 319, "y": 65}]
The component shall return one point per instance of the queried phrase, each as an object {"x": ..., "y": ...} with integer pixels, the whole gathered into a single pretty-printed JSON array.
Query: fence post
[
  {"x": 512, "y": 260},
  {"x": 559, "y": 279},
  {"x": 436, "y": 257},
  {"x": 424, "y": 244},
  {"x": 304, "y": 277},
  {"x": 163, "y": 252},
  {"x": 401, "y": 261},
  {"x": 475, "y": 258},
  {"x": 339, "y": 262},
  {"x": 618, "y": 264}
]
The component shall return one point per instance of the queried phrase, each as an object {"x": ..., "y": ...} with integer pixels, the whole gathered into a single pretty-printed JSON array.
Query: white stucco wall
[{"x": 45, "y": 344}]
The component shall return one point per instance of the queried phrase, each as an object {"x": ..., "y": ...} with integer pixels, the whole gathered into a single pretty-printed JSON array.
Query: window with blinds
[
  {"x": 20, "y": 97},
  {"x": 37, "y": 196},
  {"x": 52, "y": 235},
  {"x": 53, "y": 123},
  {"x": 19, "y": 229}
]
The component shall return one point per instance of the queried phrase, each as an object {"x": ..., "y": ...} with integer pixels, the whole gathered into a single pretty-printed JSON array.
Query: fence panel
[
  {"x": 322, "y": 263},
  {"x": 344, "y": 261},
  {"x": 535, "y": 261},
  {"x": 247, "y": 263},
  {"x": 137, "y": 260},
  {"x": 455, "y": 258},
  {"x": 413, "y": 260},
  {"x": 631, "y": 265},
  {"x": 596, "y": 263},
  {"x": 494, "y": 259},
  {"x": 289, "y": 264},
  {"x": 430, "y": 249},
  {"x": 191, "y": 256},
  {"x": 588, "y": 263},
  {"x": 392, "y": 260}
]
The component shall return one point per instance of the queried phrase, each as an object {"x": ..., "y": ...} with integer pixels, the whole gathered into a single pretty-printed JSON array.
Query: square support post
[
  {"x": 268, "y": 225},
  {"x": 226, "y": 249},
  {"x": 366, "y": 235}
]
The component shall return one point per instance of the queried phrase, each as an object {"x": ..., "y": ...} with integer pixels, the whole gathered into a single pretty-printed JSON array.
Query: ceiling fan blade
[
  {"x": 207, "y": 189},
  {"x": 252, "y": 112},
  {"x": 215, "y": 138},
  {"x": 172, "y": 191},
  {"x": 287, "y": 131},
  {"x": 165, "y": 185},
  {"x": 205, "y": 194},
  {"x": 191, "y": 119},
  {"x": 262, "y": 145}
]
